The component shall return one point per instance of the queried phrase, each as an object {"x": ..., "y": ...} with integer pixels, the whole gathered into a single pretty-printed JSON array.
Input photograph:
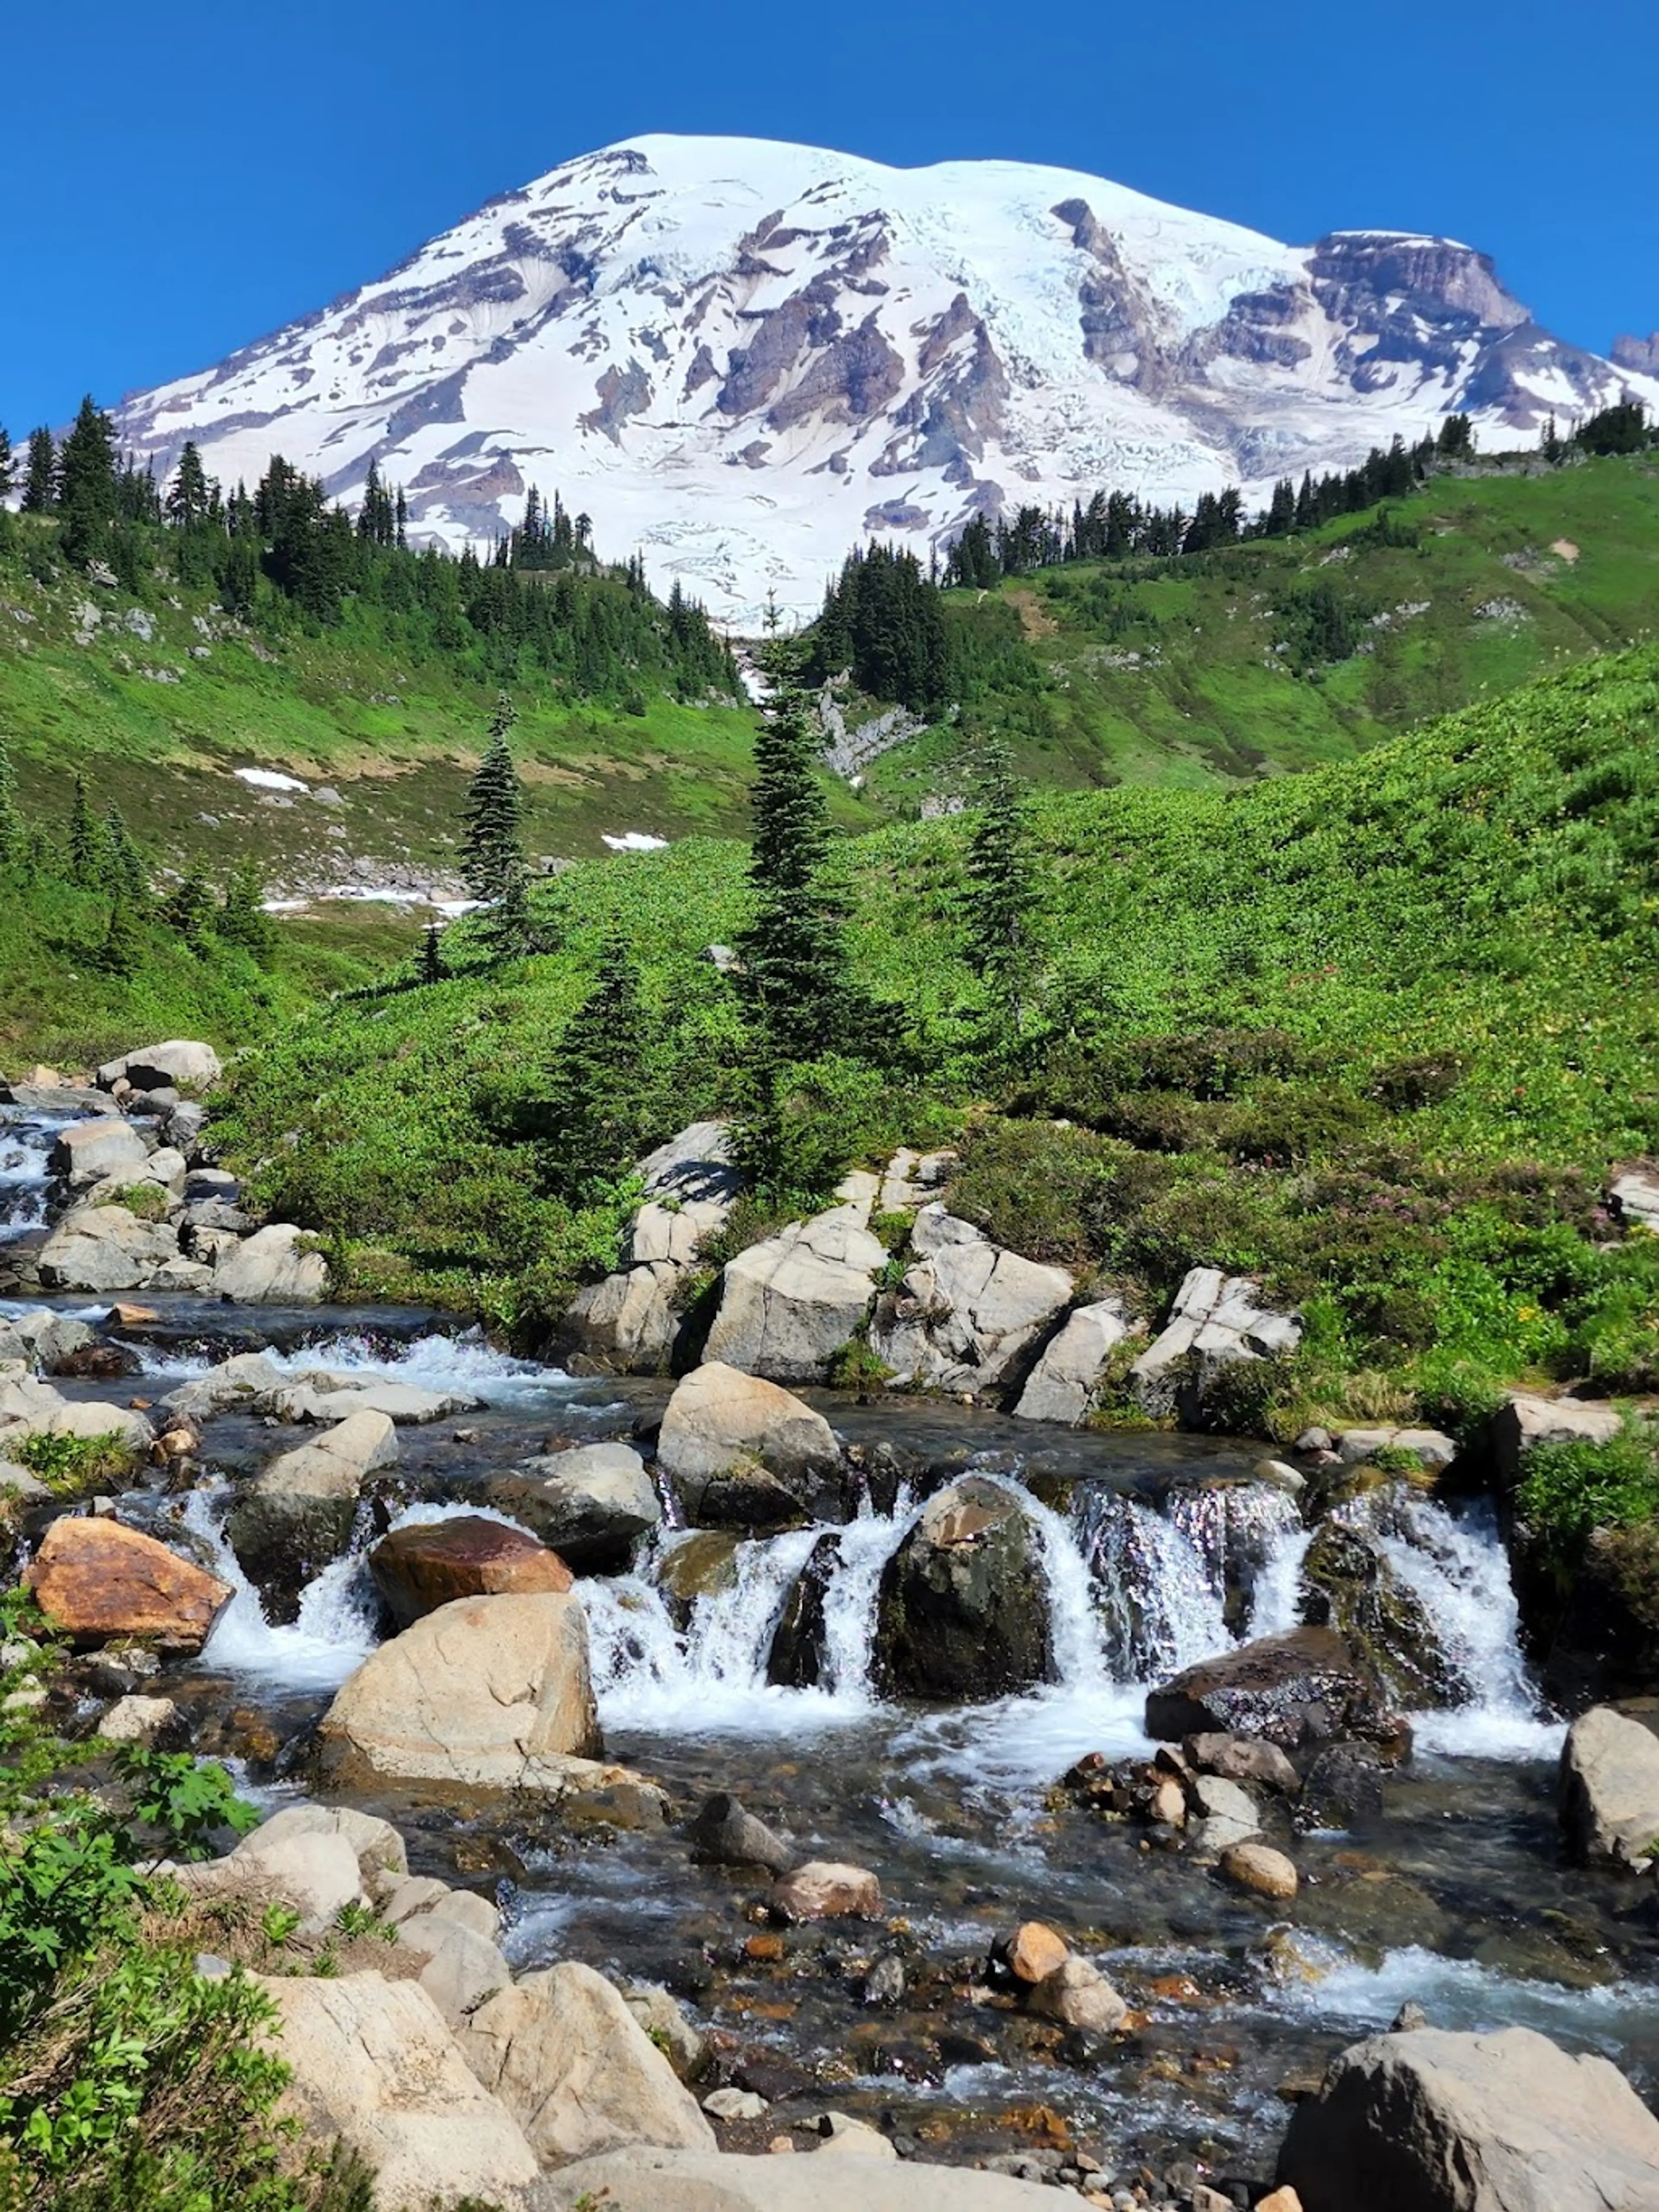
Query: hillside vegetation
[{"x": 1375, "y": 1033}]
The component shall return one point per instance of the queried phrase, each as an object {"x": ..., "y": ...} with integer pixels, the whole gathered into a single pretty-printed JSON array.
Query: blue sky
[{"x": 182, "y": 178}]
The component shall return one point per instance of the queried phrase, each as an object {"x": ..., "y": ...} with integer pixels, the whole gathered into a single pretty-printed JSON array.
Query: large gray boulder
[
  {"x": 487, "y": 1692},
  {"x": 648, "y": 2180},
  {"x": 241, "y": 1381},
  {"x": 1062, "y": 1386},
  {"x": 963, "y": 1611},
  {"x": 566, "y": 2057},
  {"x": 967, "y": 1312},
  {"x": 338, "y": 1397},
  {"x": 1429, "y": 2121},
  {"x": 789, "y": 1304},
  {"x": 274, "y": 1267},
  {"x": 180, "y": 1064},
  {"x": 1609, "y": 1792},
  {"x": 591, "y": 1503},
  {"x": 628, "y": 1324},
  {"x": 1217, "y": 1321},
  {"x": 374, "y": 2066},
  {"x": 723, "y": 1432},
  {"x": 105, "y": 1247},
  {"x": 96, "y": 1152}
]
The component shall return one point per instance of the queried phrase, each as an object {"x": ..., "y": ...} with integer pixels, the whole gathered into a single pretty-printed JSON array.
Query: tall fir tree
[
  {"x": 87, "y": 851},
  {"x": 242, "y": 919},
  {"x": 794, "y": 947},
  {"x": 492, "y": 850},
  {"x": 430, "y": 965},
  {"x": 509, "y": 927},
  {"x": 597, "y": 1112},
  {"x": 40, "y": 474},
  {"x": 121, "y": 952},
  {"x": 189, "y": 913},
  {"x": 87, "y": 493},
  {"x": 128, "y": 879},
  {"x": 999, "y": 901}
]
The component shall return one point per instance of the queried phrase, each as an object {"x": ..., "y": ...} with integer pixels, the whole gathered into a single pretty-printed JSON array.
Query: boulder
[
  {"x": 643, "y": 2181},
  {"x": 1432, "y": 1448},
  {"x": 377, "y": 1846},
  {"x": 1078, "y": 1996},
  {"x": 374, "y": 2066},
  {"x": 401, "y": 1402},
  {"x": 1609, "y": 1792},
  {"x": 1034, "y": 1952},
  {"x": 237, "y": 1383},
  {"x": 1217, "y": 1321},
  {"x": 135, "y": 1719},
  {"x": 95, "y": 1580},
  {"x": 1242, "y": 1758},
  {"x": 1264, "y": 1872},
  {"x": 95, "y": 1151},
  {"x": 1605, "y": 1642},
  {"x": 123, "y": 1430},
  {"x": 590, "y": 1504},
  {"x": 274, "y": 1267},
  {"x": 1222, "y": 1812},
  {"x": 967, "y": 1312},
  {"x": 464, "y": 1972},
  {"x": 721, "y": 1426},
  {"x": 789, "y": 1304},
  {"x": 1062, "y": 1387},
  {"x": 723, "y": 1834},
  {"x": 180, "y": 1064},
  {"x": 489, "y": 1692},
  {"x": 799, "y": 1654},
  {"x": 315, "y": 1872},
  {"x": 1348, "y": 1584},
  {"x": 962, "y": 1612},
  {"x": 1633, "y": 1193},
  {"x": 825, "y": 1890},
  {"x": 566, "y": 2056},
  {"x": 296, "y": 1516},
  {"x": 1437, "y": 2122},
  {"x": 1523, "y": 1421},
  {"x": 1297, "y": 1691},
  {"x": 425, "y": 1565},
  {"x": 628, "y": 1322},
  {"x": 105, "y": 1247},
  {"x": 1342, "y": 1789}
]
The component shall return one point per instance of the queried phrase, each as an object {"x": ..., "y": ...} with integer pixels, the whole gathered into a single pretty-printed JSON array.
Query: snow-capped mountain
[{"x": 742, "y": 357}]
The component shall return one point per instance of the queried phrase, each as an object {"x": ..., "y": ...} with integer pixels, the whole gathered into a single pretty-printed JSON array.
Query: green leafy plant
[{"x": 71, "y": 1465}]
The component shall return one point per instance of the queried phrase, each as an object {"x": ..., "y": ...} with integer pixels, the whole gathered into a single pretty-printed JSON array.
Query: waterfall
[
  {"x": 335, "y": 1632},
  {"x": 24, "y": 1146}
]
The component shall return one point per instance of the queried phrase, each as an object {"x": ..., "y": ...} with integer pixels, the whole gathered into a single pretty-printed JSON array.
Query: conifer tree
[
  {"x": 121, "y": 952},
  {"x": 793, "y": 948},
  {"x": 242, "y": 919},
  {"x": 87, "y": 493},
  {"x": 509, "y": 928},
  {"x": 127, "y": 872},
  {"x": 432, "y": 970},
  {"x": 1001, "y": 899},
  {"x": 87, "y": 851},
  {"x": 41, "y": 474},
  {"x": 189, "y": 911},
  {"x": 491, "y": 851},
  {"x": 598, "y": 1110},
  {"x": 188, "y": 498}
]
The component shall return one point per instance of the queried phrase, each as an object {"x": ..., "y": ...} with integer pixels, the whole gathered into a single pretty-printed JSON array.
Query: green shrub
[
  {"x": 69, "y": 1466},
  {"x": 1568, "y": 1489}
]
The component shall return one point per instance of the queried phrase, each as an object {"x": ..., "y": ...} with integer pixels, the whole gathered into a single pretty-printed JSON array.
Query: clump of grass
[{"x": 69, "y": 1466}]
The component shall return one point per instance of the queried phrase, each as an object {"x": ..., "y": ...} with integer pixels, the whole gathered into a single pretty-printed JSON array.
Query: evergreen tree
[
  {"x": 509, "y": 928},
  {"x": 492, "y": 851},
  {"x": 1456, "y": 439},
  {"x": 41, "y": 474},
  {"x": 242, "y": 919},
  {"x": 189, "y": 497},
  {"x": 599, "y": 1112},
  {"x": 87, "y": 493},
  {"x": 1001, "y": 896},
  {"x": 189, "y": 911},
  {"x": 87, "y": 851},
  {"x": 127, "y": 873},
  {"x": 432, "y": 970},
  {"x": 122, "y": 951},
  {"x": 793, "y": 948}
]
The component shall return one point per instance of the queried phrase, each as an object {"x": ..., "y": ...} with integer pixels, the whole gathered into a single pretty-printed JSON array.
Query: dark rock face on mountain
[{"x": 740, "y": 346}]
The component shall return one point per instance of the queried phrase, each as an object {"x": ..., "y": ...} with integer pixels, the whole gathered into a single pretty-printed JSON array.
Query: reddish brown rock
[
  {"x": 1034, "y": 1952},
  {"x": 95, "y": 1579},
  {"x": 429, "y": 1564}
]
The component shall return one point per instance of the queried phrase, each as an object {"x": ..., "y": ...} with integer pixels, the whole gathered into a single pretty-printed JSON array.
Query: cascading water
[{"x": 25, "y": 1144}]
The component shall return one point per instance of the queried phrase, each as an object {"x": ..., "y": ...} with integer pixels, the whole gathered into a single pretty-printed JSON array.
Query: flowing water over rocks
[{"x": 725, "y": 1663}]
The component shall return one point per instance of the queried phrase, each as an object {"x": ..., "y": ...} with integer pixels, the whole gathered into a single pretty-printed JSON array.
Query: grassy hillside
[
  {"x": 1192, "y": 670},
  {"x": 1375, "y": 1033}
]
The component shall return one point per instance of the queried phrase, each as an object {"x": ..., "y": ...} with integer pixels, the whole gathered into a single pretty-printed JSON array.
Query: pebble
[{"x": 734, "y": 2105}]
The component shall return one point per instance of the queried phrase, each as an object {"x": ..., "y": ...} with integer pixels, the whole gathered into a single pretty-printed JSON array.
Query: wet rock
[
  {"x": 1609, "y": 1792},
  {"x": 334, "y": 1398},
  {"x": 577, "y": 2071},
  {"x": 799, "y": 1646},
  {"x": 967, "y": 1312},
  {"x": 1223, "y": 1814},
  {"x": 1297, "y": 1691},
  {"x": 884, "y": 1985},
  {"x": 375, "y": 2067},
  {"x": 1410, "y": 2017},
  {"x": 963, "y": 1610},
  {"x": 236, "y": 1382},
  {"x": 789, "y": 1304},
  {"x": 723, "y": 1834},
  {"x": 823, "y": 1890},
  {"x": 1342, "y": 1789},
  {"x": 105, "y": 1247},
  {"x": 1034, "y": 1952},
  {"x": 590, "y": 1504},
  {"x": 1242, "y": 1758},
  {"x": 296, "y": 1516},
  {"x": 93, "y": 1151},
  {"x": 1217, "y": 1321},
  {"x": 1078, "y": 1996},
  {"x": 94, "y": 1362},
  {"x": 703, "y": 1564},
  {"x": 1524, "y": 1421},
  {"x": 1604, "y": 1640},
  {"x": 1062, "y": 1385},
  {"x": 665, "y": 2021},
  {"x": 274, "y": 1267},
  {"x": 493, "y": 1692},
  {"x": 423, "y": 1566},
  {"x": 96, "y": 1580},
  {"x": 1349, "y": 1585},
  {"x": 1448, "y": 2122},
  {"x": 180, "y": 1064},
  {"x": 724, "y": 1427},
  {"x": 135, "y": 1719},
  {"x": 1264, "y": 1872}
]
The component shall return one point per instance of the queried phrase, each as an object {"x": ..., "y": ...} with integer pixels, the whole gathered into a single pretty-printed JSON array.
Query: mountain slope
[{"x": 747, "y": 355}]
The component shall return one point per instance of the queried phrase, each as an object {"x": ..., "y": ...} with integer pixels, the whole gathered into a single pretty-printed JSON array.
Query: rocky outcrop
[
  {"x": 631, "y": 1322},
  {"x": 275, "y": 1266},
  {"x": 788, "y": 1304},
  {"x": 95, "y": 1151},
  {"x": 489, "y": 1692},
  {"x": 427, "y": 1564},
  {"x": 738, "y": 1449},
  {"x": 963, "y": 1610},
  {"x": 590, "y": 1505},
  {"x": 1217, "y": 1321},
  {"x": 374, "y": 2066},
  {"x": 967, "y": 1312},
  {"x": 1633, "y": 1193},
  {"x": 1062, "y": 1385},
  {"x": 1445, "y": 2123},
  {"x": 1297, "y": 1691},
  {"x": 1609, "y": 1792},
  {"x": 95, "y": 1579},
  {"x": 565, "y": 2056},
  {"x": 105, "y": 1247}
]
